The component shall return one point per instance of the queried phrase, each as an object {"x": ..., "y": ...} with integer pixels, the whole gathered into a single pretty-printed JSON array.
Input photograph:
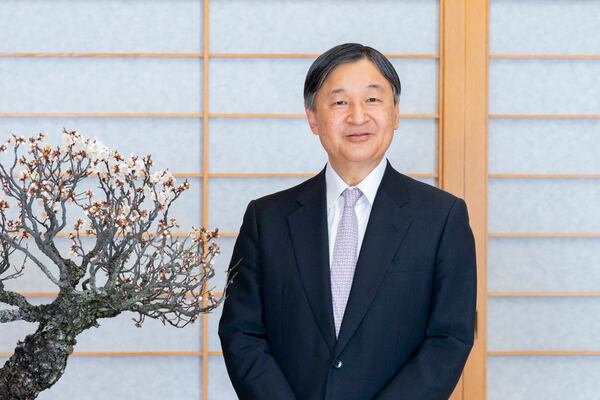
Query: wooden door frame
[{"x": 462, "y": 168}]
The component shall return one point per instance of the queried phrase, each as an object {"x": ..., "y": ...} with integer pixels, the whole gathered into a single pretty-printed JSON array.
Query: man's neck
[{"x": 354, "y": 173}]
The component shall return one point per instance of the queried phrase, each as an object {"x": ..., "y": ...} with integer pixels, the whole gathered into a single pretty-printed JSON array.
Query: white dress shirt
[{"x": 335, "y": 201}]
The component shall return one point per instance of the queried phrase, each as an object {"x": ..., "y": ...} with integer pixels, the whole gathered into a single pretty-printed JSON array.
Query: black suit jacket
[{"x": 409, "y": 321}]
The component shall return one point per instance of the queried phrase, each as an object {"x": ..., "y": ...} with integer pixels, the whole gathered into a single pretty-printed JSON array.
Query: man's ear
[
  {"x": 396, "y": 115},
  {"x": 312, "y": 120}
]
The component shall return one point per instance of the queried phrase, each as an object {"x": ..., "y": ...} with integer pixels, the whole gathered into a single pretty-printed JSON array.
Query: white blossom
[{"x": 97, "y": 151}]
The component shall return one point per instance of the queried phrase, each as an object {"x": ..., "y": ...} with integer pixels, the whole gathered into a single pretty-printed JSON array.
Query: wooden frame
[
  {"x": 451, "y": 130},
  {"x": 463, "y": 62},
  {"x": 463, "y": 149}
]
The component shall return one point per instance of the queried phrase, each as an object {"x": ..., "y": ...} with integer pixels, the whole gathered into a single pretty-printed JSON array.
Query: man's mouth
[
  {"x": 358, "y": 137},
  {"x": 359, "y": 134}
]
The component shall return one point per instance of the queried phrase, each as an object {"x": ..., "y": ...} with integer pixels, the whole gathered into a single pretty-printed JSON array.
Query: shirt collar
[{"x": 368, "y": 186}]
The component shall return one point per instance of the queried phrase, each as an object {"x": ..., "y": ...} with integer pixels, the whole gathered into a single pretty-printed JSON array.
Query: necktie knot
[{"x": 351, "y": 196}]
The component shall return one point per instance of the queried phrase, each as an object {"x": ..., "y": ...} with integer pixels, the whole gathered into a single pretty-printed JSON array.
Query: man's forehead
[{"x": 373, "y": 86}]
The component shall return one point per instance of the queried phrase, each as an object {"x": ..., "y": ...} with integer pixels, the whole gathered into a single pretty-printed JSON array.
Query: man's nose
[{"x": 357, "y": 113}]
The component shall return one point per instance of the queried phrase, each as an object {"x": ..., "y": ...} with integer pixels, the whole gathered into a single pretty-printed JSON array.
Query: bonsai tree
[{"x": 123, "y": 255}]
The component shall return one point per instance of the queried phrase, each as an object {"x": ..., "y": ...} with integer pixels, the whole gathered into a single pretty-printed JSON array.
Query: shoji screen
[
  {"x": 544, "y": 200},
  {"x": 213, "y": 89}
]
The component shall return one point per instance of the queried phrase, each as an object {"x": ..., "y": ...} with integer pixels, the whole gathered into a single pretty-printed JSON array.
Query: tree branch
[{"x": 17, "y": 315}]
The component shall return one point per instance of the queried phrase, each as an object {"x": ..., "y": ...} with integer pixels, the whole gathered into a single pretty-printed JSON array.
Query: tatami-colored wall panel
[
  {"x": 543, "y": 265},
  {"x": 83, "y": 85},
  {"x": 545, "y": 27},
  {"x": 547, "y": 378},
  {"x": 311, "y": 26},
  {"x": 101, "y": 26}
]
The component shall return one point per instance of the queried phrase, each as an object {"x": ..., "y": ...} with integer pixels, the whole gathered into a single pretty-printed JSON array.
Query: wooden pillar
[{"x": 463, "y": 149}]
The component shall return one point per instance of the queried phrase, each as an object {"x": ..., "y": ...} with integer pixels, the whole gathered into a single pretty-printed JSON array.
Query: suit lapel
[
  {"x": 387, "y": 226},
  {"x": 308, "y": 229}
]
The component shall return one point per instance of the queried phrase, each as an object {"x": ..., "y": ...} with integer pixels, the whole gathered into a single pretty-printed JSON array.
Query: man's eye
[
  {"x": 373, "y": 99},
  {"x": 340, "y": 103}
]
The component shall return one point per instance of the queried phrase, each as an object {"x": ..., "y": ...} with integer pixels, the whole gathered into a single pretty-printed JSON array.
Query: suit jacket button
[{"x": 337, "y": 364}]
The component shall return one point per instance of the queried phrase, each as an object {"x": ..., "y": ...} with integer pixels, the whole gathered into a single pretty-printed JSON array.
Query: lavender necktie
[{"x": 344, "y": 256}]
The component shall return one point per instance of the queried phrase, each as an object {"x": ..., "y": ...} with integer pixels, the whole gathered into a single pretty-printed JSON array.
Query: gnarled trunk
[
  {"x": 37, "y": 363},
  {"x": 40, "y": 360}
]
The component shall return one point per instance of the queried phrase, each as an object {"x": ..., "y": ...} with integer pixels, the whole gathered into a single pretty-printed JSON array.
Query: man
[{"x": 360, "y": 282}]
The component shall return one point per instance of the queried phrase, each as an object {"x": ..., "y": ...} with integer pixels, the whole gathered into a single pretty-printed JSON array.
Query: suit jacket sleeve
[
  {"x": 254, "y": 372},
  {"x": 435, "y": 368}
]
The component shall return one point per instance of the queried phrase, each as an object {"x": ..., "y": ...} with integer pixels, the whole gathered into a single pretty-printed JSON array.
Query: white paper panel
[
  {"x": 242, "y": 26},
  {"x": 101, "y": 26},
  {"x": 543, "y": 265},
  {"x": 187, "y": 209},
  {"x": 544, "y": 87},
  {"x": 84, "y": 85},
  {"x": 214, "y": 343},
  {"x": 288, "y": 146},
  {"x": 276, "y": 85},
  {"x": 219, "y": 384},
  {"x": 414, "y": 148},
  {"x": 120, "y": 334},
  {"x": 33, "y": 279},
  {"x": 175, "y": 143},
  {"x": 229, "y": 197},
  {"x": 544, "y": 146},
  {"x": 543, "y": 378},
  {"x": 544, "y": 27},
  {"x": 264, "y": 146},
  {"x": 109, "y": 378},
  {"x": 12, "y": 332},
  {"x": 543, "y": 323},
  {"x": 114, "y": 334},
  {"x": 544, "y": 205}
]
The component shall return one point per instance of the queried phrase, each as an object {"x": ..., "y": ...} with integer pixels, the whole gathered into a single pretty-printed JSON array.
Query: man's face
[{"x": 355, "y": 116}]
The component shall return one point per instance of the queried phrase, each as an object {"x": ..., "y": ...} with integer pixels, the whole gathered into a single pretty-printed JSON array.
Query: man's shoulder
[
  {"x": 287, "y": 198},
  {"x": 422, "y": 195}
]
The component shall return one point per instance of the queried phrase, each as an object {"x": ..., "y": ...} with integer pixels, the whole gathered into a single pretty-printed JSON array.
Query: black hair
[{"x": 344, "y": 54}]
